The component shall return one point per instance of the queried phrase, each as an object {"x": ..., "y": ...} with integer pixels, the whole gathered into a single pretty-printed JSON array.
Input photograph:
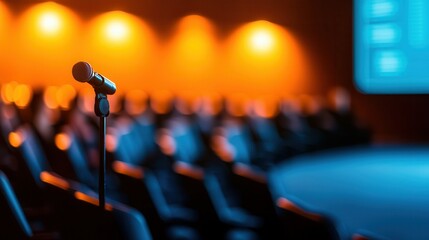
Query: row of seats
[{"x": 176, "y": 169}]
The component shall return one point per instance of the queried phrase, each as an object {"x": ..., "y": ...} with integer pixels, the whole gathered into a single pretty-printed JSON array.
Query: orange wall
[{"x": 42, "y": 42}]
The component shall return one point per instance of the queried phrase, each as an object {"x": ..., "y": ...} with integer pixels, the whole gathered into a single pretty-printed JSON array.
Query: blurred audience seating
[{"x": 192, "y": 168}]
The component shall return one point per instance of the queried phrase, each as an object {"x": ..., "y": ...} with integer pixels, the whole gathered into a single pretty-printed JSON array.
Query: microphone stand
[{"x": 101, "y": 109}]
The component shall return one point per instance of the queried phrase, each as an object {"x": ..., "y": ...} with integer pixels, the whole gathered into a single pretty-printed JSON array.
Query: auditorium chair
[
  {"x": 32, "y": 160},
  {"x": 182, "y": 142},
  {"x": 75, "y": 155},
  {"x": 70, "y": 160},
  {"x": 209, "y": 111},
  {"x": 13, "y": 221},
  {"x": 135, "y": 139},
  {"x": 233, "y": 144},
  {"x": 79, "y": 216},
  {"x": 210, "y": 177},
  {"x": 162, "y": 105},
  {"x": 367, "y": 235},
  {"x": 151, "y": 186},
  {"x": 300, "y": 221},
  {"x": 261, "y": 123},
  {"x": 293, "y": 127},
  {"x": 167, "y": 218},
  {"x": 349, "y": 129}
]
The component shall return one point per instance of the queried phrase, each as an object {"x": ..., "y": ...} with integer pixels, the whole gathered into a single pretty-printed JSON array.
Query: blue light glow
[
  {"x": 382, "y": 8},
  {"x": 417, "y": 23},
  {"x": 384, "y": 34},
  {"x": 391, "y": 46},
  {"x": 389, "y": 63}
]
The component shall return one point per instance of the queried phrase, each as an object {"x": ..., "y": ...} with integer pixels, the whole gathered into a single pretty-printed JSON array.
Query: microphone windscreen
[{"x": 82, "y": 72}]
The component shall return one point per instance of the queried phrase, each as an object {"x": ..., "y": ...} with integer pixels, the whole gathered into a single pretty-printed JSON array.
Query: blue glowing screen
[{"x": 391, "y": 46}]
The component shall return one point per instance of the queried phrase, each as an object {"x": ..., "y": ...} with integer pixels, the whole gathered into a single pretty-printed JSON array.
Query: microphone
[{"x": 83, "y": 72}]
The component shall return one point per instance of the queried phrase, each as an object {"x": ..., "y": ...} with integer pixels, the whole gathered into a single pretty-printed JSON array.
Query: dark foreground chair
[
  {"x": 168, "y": 219},
  {"x": 13, "y": 221},
  {"x": 79, "y": 216},
  {"x": 13, "y": 224},
  {"x": 301, "y": 222}
]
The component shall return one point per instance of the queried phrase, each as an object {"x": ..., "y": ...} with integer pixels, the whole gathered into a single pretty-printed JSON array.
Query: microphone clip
[{"x": 101, "y": 106}]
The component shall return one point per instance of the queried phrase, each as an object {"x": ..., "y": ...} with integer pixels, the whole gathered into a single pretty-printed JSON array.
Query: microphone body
[{"x": 83, "y": 72}]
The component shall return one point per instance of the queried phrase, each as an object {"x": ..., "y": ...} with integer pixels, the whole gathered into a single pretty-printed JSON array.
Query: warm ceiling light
[
  {"x": 261, "y": 40},
  {"x": 50, "y": 22},
  {"x": 116, "y": 30},
  {"x": 262, "y": 58}
]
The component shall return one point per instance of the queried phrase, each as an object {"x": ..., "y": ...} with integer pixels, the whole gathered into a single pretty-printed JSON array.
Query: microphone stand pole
[{"x": 101, "y": 109}]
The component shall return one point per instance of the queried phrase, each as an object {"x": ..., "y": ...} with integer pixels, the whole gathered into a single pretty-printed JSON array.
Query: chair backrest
[
  {"x": 31, "y": 161},
  {"x": 297, "y": 218},
  {"x": 13, "y": 223},
  {"x": 227, "y": 205},
  {"x": 189, "y": 144},
  {"x": 131, "y": 223},
  {"x": 77, "y": 159},
  {"x": 81, "y": 218},
  {"x": 132, "y": 134},
  {"x": 266, "y": 130},
  {"x": 239, "y": 138},
  {"x": 32, "y": 153}
]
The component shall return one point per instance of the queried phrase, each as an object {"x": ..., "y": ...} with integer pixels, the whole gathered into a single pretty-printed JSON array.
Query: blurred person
[
  {"x": 270, "y": 144},
  {"x": 137, "y": 126},
  {"x": 318, "y": 123},
  {"x": 348, "y": 130},
  {"x": 209, "y": 110},
  {"x": 162, "y": 105}
]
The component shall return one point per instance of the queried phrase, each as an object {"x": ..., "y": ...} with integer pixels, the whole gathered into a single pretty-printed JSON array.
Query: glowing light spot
[
  {"x": 120, "y": 44},
  {"x": 46, "y": 37},
  {"x": 50, "y": 22},
  {"x": 49, "y": 97},
  {"x": 261, "y": 40},
  {"x": 62, "y": 141},
  {"x": 117, "y": 30},
  {"x": 65, "y": 95},
  {"x": 15, "y": 139},
  {"x": 262, "y": 57},
  {"x": 7, "y": 92},
  {"x": 22, "y": 95}
]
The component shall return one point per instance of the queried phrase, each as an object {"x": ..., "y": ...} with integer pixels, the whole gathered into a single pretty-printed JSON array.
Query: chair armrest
[
  {"x": 292, "y": 207},
  {"x": 128, "y": 169},
  {"x": 188, "y": 170},
  {"x": 249, "y": 172}
]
